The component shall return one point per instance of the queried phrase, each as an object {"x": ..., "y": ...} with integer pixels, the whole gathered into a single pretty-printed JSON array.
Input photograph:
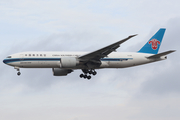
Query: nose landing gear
[
  {"x": 86, "y": 72},
  {"x": 18, "y": 73}
]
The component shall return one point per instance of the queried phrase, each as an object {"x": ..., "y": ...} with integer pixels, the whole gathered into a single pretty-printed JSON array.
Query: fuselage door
[{"x": 21, "y": 57}]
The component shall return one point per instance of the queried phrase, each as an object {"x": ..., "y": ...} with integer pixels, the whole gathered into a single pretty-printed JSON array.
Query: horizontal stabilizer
[{"x": 161, "y": 54}]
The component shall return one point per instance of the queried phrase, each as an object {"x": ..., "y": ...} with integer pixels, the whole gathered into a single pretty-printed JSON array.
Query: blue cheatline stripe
[
  {"x": 115, "y": 59},
  {"x": 10, "y": 60}
]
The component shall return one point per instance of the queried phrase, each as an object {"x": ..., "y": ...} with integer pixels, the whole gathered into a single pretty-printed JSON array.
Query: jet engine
[{"x": 61, "y": 72}]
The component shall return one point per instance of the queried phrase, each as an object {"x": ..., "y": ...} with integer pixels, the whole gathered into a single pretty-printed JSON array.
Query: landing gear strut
[
  {"x": 86, "y": 72},
  {"x": 18, "y": 73}
]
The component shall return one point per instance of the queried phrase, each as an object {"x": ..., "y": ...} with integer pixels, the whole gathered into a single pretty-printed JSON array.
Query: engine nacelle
[
  {"x": 61, "y": 72},
  {"x": 68, "y": 62}
]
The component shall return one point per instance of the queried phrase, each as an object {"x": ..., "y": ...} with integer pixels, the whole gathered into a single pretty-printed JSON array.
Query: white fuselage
[{"x": 53, "y": 59}]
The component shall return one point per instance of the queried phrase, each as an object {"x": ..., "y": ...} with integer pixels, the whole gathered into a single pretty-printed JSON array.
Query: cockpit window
[{"x": 8, "y": 56}]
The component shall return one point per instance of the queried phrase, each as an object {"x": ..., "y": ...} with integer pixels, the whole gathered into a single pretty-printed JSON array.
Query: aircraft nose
[{"x": 4, "y": 61}]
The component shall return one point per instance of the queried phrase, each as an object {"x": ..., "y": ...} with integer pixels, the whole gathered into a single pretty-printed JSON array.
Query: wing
[{"x": 103, "y": 52}]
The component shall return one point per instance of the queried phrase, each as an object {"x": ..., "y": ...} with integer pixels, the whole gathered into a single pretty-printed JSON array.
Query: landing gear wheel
[
  {"x": 85, "y": 76},
  {"x": 18, "y": 73},
  {"x": 88, "y": 77},
  {"x": 94, "y": 73},
  {"x": 81, "y": 75},
  {"x": 90, "y": 72}
]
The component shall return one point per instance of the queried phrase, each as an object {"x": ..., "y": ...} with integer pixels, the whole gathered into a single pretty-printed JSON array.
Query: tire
[
  {"x": 88, "y": 77},
  {"x": 94, "y": 73},
  {"x": 18, "y": 73},
  {"x": 85, "y": 76},
  {"x": 81, "y": 75}
]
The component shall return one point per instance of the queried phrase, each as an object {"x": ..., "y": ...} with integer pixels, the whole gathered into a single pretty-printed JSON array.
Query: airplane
[{"x": 63, "y": 63}]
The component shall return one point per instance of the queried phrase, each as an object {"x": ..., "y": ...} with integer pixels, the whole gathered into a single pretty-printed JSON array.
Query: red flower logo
[{"x": 154, "y": 43}]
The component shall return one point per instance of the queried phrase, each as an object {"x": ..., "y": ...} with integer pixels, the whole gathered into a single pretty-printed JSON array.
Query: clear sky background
[{"x": 147, "y": 92}]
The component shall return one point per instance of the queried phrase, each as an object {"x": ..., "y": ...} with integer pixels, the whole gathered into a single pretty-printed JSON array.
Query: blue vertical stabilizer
[{"x": 153, "y": 45}]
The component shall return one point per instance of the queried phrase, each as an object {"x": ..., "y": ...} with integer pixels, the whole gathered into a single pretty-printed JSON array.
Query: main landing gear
[
  {"x": 86, "y": 72},
  {"x": 18, "y": 73}
]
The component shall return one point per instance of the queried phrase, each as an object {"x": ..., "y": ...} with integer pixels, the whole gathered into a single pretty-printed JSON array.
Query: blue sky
[{"x": 145, "y": 92}]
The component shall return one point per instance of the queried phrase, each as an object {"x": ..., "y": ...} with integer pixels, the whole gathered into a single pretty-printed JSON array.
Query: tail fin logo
[{"x": 154, "y": 43}]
